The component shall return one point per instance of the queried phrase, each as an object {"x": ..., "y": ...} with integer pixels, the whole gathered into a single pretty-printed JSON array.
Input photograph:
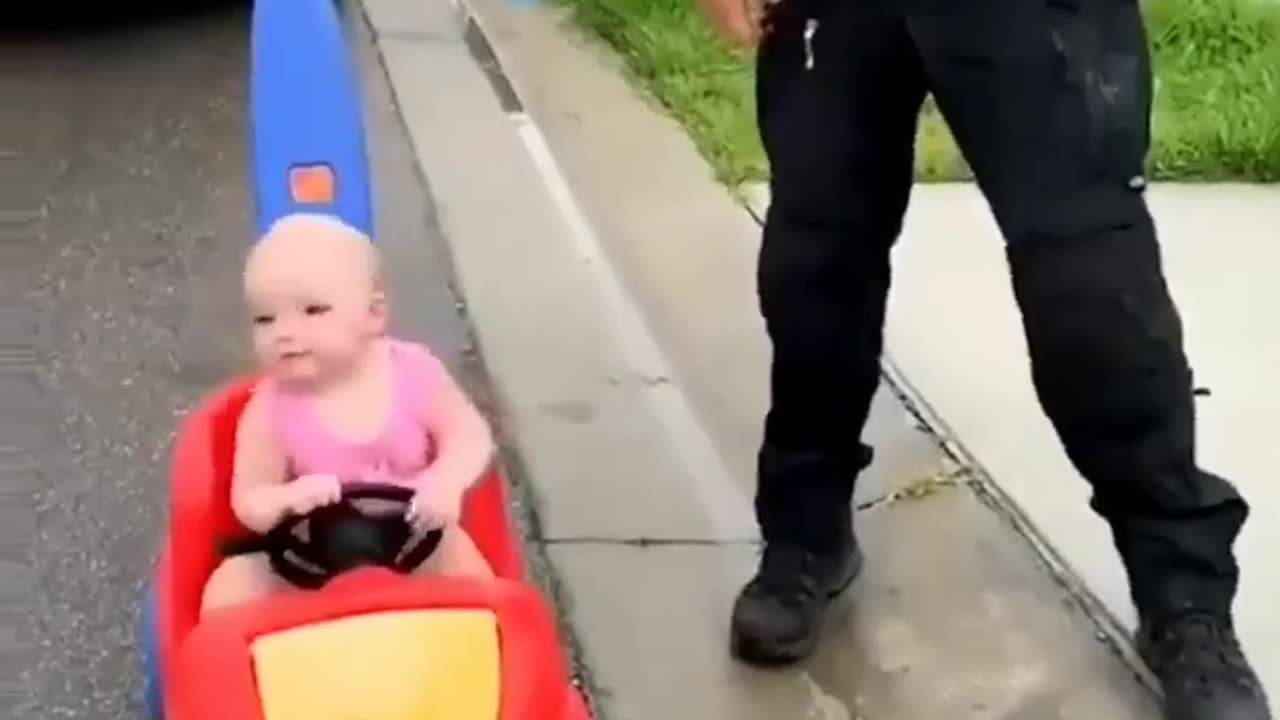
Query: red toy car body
[{"x": 205, "y": 669}]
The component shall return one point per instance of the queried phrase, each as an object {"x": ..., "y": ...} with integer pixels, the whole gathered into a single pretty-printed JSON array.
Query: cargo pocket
[{"x": 1102, "y": 47}]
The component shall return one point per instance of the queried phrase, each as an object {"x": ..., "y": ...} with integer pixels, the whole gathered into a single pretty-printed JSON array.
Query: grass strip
[{"x": 1216, "y": 113}]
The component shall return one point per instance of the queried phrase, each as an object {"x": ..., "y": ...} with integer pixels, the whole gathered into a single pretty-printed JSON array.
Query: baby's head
[{"x": 313, "y": 290}]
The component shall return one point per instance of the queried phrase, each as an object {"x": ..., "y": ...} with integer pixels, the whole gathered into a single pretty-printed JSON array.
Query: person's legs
[
  {"x": 1050, "y": 101},
  {"x": 240, "y": 579},
  {"x": 456, "y": 555},
  {"x": 838, "y": 93}
]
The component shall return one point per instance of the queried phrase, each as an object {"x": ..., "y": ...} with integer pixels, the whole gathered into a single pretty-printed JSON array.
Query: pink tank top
[{"x": 395, "y": 455}]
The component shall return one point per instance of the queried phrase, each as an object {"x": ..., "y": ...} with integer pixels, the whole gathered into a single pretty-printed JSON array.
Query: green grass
[
  {"x": 1216, "y": 110},
  {"x": 1217, "y": 105}
]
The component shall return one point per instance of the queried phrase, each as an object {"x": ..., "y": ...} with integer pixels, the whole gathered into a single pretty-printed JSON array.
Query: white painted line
[{"x": 727, "y": 507}]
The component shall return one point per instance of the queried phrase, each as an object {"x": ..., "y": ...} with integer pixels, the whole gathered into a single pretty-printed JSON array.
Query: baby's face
[
  {"x": 302, "y": 334},
  {"x": 314, "y": 313}
]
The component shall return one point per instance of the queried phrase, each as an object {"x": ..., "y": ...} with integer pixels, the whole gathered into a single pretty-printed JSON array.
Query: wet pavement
[{"x": 130, "y": 141}]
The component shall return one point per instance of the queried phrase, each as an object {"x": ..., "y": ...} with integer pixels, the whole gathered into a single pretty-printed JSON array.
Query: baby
[{"x": 342, "y": 401}]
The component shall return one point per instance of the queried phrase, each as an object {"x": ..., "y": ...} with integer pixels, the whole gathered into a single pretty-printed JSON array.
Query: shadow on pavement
[{"x": 42, "y": 20}]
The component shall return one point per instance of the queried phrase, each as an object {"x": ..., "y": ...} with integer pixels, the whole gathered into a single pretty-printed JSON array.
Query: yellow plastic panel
[{"x": 440, "y": 664}]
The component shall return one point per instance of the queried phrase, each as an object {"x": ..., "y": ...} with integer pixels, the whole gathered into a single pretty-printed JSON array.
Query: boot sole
[{"x": 766, "y": 653}]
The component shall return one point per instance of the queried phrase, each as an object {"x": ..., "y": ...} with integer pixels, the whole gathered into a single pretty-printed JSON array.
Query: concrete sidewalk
[
  {"x": 610, "y": 281},
  {"x": 1219, "y": 252}
]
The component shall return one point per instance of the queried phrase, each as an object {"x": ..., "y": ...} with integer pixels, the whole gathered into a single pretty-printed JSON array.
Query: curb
[{"x": 522, "y": 496}]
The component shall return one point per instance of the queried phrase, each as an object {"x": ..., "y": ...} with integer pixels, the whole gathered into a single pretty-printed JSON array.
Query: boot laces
[
  {"x": 789, "y": 574},
  {"x": 1206, "y": 649}
]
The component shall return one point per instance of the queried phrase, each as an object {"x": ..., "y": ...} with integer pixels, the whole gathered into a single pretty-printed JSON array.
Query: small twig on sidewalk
[{"x": 922, "y": 487}]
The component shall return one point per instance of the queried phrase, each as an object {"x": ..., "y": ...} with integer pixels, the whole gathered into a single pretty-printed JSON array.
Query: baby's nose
[
  {"x": 283, "y": 333},
  {"x": 283, "y": 342}
]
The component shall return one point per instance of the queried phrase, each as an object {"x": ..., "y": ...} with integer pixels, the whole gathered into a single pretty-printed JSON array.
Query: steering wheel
[{"x": 343, "y": 536}]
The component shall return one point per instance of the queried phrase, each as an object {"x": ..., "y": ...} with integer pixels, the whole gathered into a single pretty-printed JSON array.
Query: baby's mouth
[{"x": 293, "y": 355}]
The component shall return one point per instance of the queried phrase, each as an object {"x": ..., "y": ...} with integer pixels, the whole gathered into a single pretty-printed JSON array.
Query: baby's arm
[
  {"x": 461, "y": 435},
  {"x": 259, "y": 472}
]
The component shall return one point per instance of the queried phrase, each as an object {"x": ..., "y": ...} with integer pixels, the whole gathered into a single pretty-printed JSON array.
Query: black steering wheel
[{"x": 309, "y": 550}]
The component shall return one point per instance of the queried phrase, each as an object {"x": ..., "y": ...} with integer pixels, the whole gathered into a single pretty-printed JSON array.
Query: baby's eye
[
  {"x": 263, "y": 319},
  {"x": 317, "y": 309}
]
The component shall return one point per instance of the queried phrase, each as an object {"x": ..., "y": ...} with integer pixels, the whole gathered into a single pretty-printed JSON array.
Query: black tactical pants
[{"x": 1050, "y": 102}]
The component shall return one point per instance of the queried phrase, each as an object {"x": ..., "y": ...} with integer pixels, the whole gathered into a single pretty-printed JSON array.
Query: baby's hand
[
  {"x": 438, "y": 504},
  {"x": 308, "y": 492}
]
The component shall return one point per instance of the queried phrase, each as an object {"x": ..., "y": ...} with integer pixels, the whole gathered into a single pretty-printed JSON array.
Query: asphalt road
[{"x": 131, "y": 141}]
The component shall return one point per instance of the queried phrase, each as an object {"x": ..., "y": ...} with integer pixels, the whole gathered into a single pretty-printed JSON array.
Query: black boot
[
  {"x": 777, "y": 616},
  {"x": 1202, "y": 669}
]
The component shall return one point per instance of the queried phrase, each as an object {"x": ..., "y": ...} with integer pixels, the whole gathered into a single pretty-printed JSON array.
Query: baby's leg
[
  {"x": 457, "y": 554},
  {"x": 239, "y": 579}
]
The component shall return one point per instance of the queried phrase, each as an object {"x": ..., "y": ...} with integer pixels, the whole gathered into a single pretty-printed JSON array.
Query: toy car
[{"x": 370, "y": 644}]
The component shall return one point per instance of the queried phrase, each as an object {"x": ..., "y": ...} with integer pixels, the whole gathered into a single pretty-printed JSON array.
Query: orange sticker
[{"x": 311, "y": 184}]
